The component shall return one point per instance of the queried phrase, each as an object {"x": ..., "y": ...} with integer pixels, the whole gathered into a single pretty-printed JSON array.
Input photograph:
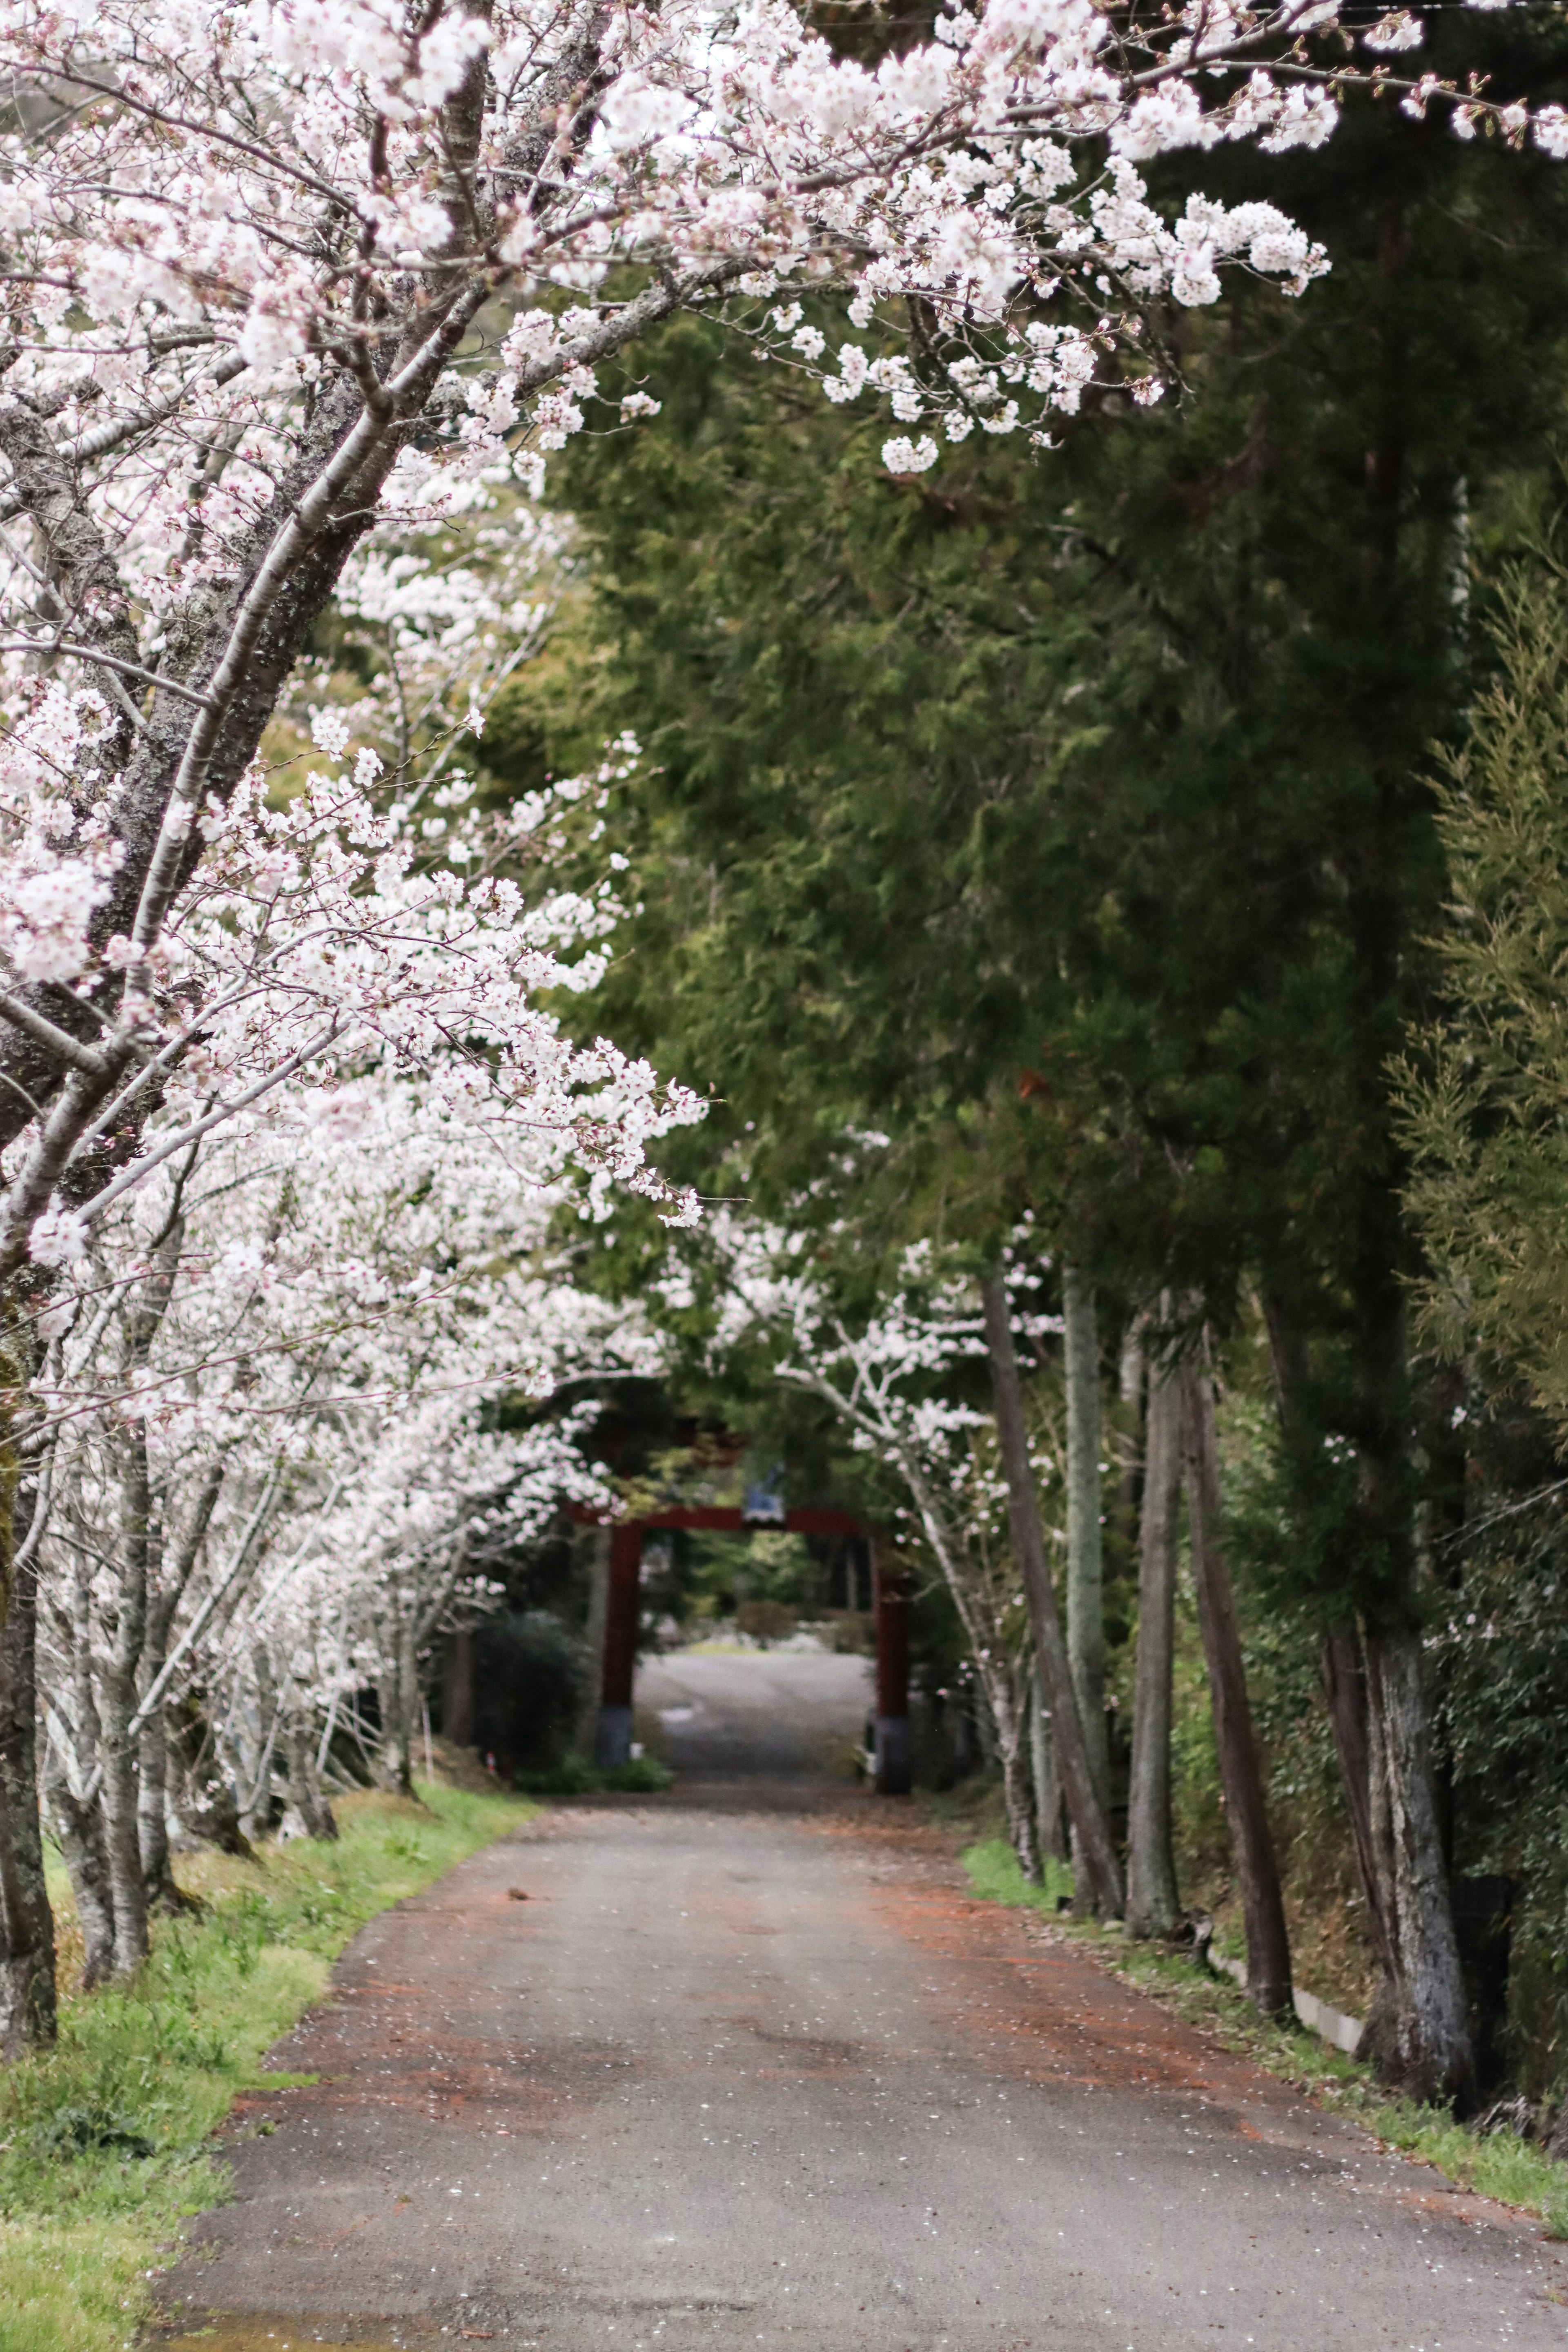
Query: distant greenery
[
  {"x": 1494, "y": 2165},
  {"x": 103, "y": 2144}
]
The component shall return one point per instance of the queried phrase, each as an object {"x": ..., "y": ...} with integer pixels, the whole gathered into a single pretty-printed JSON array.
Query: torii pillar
[
  {"x": 613, "y": 1737},
  {"x": 891, "y": 1588}
]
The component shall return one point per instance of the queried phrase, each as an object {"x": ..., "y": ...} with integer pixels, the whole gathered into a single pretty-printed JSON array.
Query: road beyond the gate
[
  {"x": 762, "y": 2074},
  {"x": 756, "y": 1715}
]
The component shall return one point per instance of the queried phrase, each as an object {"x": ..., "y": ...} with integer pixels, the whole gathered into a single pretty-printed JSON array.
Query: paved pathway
[
  {"x": 735, "y": 2075},
  {"x": 774, "y": 1715}
]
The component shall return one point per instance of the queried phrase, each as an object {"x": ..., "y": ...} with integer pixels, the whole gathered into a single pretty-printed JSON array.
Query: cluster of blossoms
[
  {"x": 323, "y": 938},
  {"x": 444, "y": 613},
  {"x": 62, "y": 854}
]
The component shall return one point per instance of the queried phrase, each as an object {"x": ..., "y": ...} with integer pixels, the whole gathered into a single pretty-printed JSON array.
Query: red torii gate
[{"x": 612, "y": 1742}]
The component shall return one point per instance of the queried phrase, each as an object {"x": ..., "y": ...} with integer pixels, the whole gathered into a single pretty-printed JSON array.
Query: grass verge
[
  {"x": 1494, "y": 2165},
  {"x": 103, "y": 2142}
]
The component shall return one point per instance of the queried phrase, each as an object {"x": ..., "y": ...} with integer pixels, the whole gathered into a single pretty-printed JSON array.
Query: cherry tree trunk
[
  {"x": 153, "y": 1776},
  {"x": 117, "y": 1705},
  {"x": 1152, "y": 1903},
  {"x": 153, "y": 1751},
  {"x": 1073, "y": 1767},
  {"x": 1241, "y": 1776},
  {"x": 78, "y": 1826},
  {"x": 153, "y": 1768},
  {"x": 27, "y": 1999},
  {"x": 77, "y": 1820},
  {"x": 304, "y": 1786},
  {"x": 254, "y": 1775},
  {"x": 399, "y": 1693}
]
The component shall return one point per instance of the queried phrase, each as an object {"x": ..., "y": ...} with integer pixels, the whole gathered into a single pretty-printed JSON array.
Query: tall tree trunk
[
  {"x": 1418, "y": 2033},
  {"x": 153, "y": 1803},
  {"x": 152, "y": 1817},
  {"x": 1429, "y": 2051},
  {"x": 78, "y": 1821},
  {"x": 1363, "y": 1755},
  {"x": 1152, "y": 1904},
  {"x": 985, "y": 1730},
  {"x": 1344, "y": 1685},
  {"x": 140, "y": 1553},
  {"x": 1052, "y": 1838},
  {"x": 1423, "y": 2048},
  {"x": 117, "y": 1705},
  {"x": 1131, "y": 1380},
  {"x": 1241, "y": 1776},
  {"x": 28, "y": 1999},
  {"x": 1073, "y": 1766},
  {"x": 255, "y": 1776},
  {"x": 1086, "y": 1571}
]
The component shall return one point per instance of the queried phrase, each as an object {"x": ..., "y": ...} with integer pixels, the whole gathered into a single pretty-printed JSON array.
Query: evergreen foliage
[{"x": 1484, "y": 1095}]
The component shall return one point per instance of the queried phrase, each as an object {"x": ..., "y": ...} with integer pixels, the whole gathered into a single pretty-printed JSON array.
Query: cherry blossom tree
[{"x": 272, "y": 1454}]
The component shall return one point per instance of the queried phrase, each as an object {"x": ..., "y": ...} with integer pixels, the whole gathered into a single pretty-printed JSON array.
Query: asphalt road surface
[
  {"x": 743, "y": 2075},
  {"x": 776, "y": 1714}
]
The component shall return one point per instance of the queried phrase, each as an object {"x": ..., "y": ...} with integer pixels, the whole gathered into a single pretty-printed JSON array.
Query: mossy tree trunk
[
  {"x": 1153, "y": 1904},
  {"x": 1085, "y": 1810}
]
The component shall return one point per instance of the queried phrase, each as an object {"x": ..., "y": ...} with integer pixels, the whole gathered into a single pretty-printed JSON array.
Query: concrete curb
[{"x": 1316, "y": 2015}]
